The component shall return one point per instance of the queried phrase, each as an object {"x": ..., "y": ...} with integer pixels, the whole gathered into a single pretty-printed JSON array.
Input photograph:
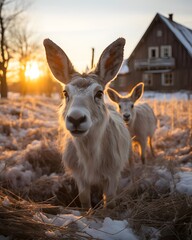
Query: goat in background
[{"x": 139, "y": 118}]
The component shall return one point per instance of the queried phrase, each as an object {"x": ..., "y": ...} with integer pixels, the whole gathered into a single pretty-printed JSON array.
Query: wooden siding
[{"x": 181, "y": 69}]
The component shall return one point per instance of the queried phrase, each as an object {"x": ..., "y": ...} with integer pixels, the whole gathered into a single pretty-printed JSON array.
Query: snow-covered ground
[{"x": 30, "y": 165}]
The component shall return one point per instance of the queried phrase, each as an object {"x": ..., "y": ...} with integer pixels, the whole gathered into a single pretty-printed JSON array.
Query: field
[{"x": 38, "y": 201}]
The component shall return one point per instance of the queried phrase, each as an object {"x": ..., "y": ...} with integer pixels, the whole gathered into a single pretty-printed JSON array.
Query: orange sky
[{"x": 79, "y": 25}]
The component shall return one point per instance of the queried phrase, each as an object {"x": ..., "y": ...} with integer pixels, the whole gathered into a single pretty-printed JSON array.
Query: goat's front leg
[
  {"x": 151, "y": 147},
  {"x": 85, "y": 197},
  {"x": 109, "y": 192},
  {"x": 143, "y": 145}
]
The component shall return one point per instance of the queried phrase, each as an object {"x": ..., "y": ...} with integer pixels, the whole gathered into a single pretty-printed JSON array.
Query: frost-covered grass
[{"x": 158, "y": 205}]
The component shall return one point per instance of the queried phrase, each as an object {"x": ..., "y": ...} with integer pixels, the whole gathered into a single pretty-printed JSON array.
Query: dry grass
[
  {"x": 143, "y": 204},
  {"x": 17, "y": 219},
  {"x": 178, "y": 112},
  {"x": 169, "y": 214}
]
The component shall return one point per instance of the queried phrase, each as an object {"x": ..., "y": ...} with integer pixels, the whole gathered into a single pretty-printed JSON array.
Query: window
[
  {"x": 153, "y": 52},
  {"x": 166, "y": 51},
  {"x": 167, "y": 79},
  {"x": 159, "y": 33},
  {"x": 148, "y": 79}
]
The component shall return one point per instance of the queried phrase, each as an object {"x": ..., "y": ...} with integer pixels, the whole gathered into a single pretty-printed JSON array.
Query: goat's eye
[
  {"x": 66, "y": 95},
  {"x": 99, "y": 94},
  {"x": 132, "y": 105}
]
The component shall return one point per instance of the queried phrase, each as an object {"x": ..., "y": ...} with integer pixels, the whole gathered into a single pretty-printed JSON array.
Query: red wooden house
[{"x": 162, "y": 58}]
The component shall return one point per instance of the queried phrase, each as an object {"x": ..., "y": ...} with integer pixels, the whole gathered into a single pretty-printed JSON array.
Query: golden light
[{"x": 32, "y": 71}]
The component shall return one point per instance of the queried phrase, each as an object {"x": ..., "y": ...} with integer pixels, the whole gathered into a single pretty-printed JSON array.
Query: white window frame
[
  {"x": 150, "y": 49},
  {"x": 169, "y": 51},
  {"x": 163, "y": 79},
  {"x": 146, "y": 78}
]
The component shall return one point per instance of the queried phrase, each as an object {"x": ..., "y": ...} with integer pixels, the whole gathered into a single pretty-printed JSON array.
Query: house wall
[{"x": 121, "y": 83}]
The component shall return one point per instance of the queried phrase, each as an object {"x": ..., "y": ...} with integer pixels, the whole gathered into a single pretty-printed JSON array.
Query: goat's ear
[
  {"x": 137, "y": 92},
  {"x": 110, "y": 61},
  {"x": 113, "y": 95},
  {"x": 58, "y": 61}
]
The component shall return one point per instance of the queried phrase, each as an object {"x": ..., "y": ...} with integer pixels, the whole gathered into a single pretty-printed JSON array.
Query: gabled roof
[
  {"x": 124, "y": 68},
  {"x": 182, "y": 33}
]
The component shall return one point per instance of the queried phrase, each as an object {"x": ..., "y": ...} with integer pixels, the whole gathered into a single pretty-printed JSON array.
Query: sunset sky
[{"x": 79, "y": 25}]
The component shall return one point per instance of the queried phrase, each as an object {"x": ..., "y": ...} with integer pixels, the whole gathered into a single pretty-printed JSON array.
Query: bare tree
[
  {"x": 10, "y": 11},
  {"x": 24, "y": 46}
]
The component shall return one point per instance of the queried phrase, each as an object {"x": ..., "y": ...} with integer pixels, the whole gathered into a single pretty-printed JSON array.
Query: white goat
[
  {"x": 139, "y": 118},
  {"x": 97, "y": 142}
]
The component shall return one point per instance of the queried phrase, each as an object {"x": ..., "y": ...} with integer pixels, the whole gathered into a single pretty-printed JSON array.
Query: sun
[{"x": 32, "y": 71}]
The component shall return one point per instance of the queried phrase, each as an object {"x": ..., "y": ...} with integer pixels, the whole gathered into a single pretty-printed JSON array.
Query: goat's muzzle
[
  {"x": 126, "y": 118},
  {"x": 78, "y": 123}
]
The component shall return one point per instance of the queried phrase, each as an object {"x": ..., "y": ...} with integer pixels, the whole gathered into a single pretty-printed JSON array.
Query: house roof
[
  {"x": 183, "y": 34},
  {"x": 124, "y": 68}
]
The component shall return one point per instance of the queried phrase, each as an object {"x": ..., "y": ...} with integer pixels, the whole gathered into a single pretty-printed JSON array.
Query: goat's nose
[
  {"x": 126, "y": 116},
  {"x": 76, "y": 118}
]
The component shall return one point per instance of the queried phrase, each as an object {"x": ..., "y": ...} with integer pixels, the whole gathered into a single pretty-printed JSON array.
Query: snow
[
  {"x": 4, "y": 238},
  {"x": 6, "y": 202},
  {"x": 112, "y": 229},
  {"x": 30, "y": 164},
  {"x": 51, "y": 234},
  {"x": 181, "y": 95},
  {"x": 124, "y": 68},
  {"x": 185, "y": 183},
  {"x": 183, "y": 34},
  {"x": 107, "y": 229}
]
